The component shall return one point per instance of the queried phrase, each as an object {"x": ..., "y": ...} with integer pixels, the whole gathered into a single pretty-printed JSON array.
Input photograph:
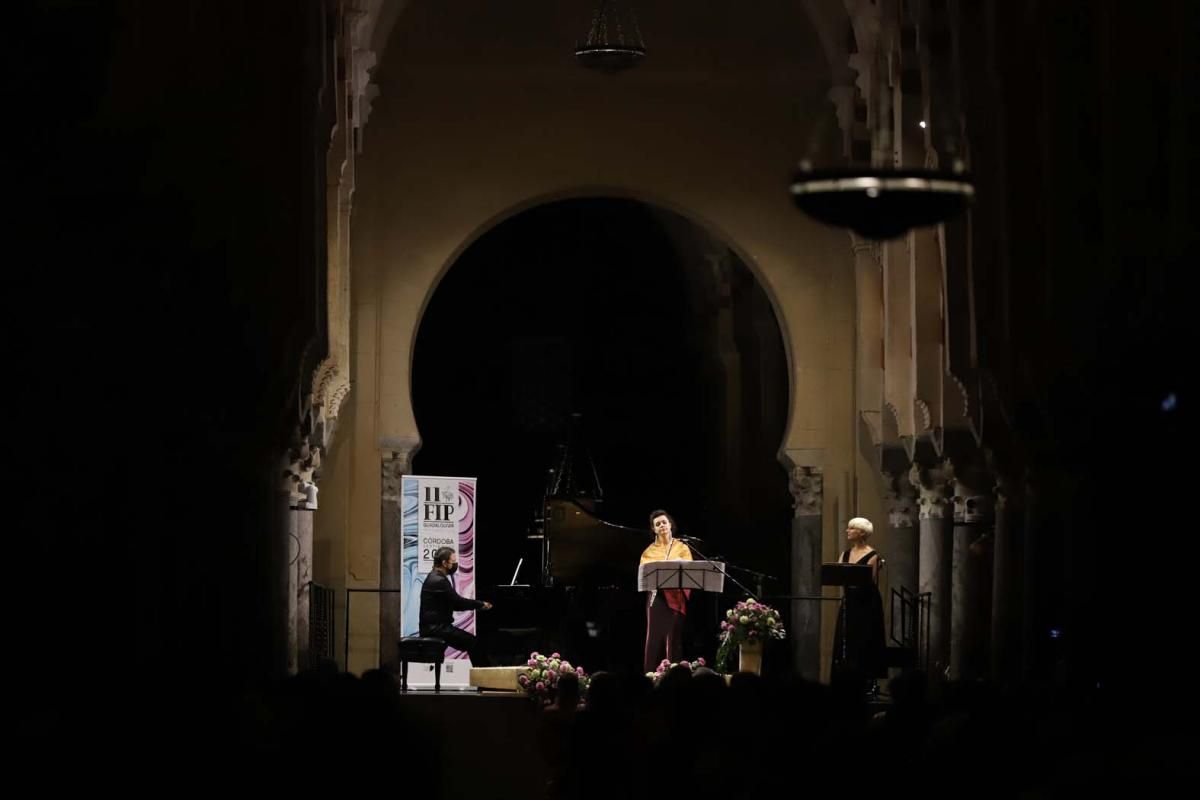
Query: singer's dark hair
[
  {"x": 658, "y": 512},
  {"x": 442, "y": 555}
]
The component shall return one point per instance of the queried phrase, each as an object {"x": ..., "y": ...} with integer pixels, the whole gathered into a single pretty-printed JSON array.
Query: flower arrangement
[
  {"x": 748, "y": 622},
  {"x": 542, "y": 673},
  {"x": 666, "y": 666}
]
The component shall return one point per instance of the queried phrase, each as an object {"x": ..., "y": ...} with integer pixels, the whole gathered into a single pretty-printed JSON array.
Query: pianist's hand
[{"x": 486, "y": 605}]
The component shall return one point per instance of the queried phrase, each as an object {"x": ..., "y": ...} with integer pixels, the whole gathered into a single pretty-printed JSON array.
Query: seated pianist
[{"x": 439, "y": 601}]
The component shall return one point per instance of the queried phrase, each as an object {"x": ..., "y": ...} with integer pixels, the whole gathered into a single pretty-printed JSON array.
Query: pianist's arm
[{"x": 457, "y": 601}]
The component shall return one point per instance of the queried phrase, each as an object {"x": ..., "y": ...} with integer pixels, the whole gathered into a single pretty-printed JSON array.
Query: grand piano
[
  {"x": 583, "y": 599},
  {"x": 581, "y": 549},
  {"x": 576, "y": 592}
]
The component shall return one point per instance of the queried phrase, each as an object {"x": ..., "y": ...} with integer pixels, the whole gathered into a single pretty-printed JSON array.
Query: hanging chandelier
[
  {"x": 918, "y": 175},
  {"x": 882, "y": 203},
  {"x": 614, "y": 41}
]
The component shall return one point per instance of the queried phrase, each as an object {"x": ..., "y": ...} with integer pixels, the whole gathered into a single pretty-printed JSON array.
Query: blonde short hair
[{"x": 863, "y": 524}]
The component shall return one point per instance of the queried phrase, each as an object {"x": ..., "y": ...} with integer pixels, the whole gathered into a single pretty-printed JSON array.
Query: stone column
[
  {"x": 970, "y": 549},
  {"x": 1028, "y": 599},
  {"x": 303, "y": 572},
  {"x": 396, "y": 462},
  {"x": 1005, "y": 640},
  {"x": 868, "y": 283},
  {"x": 300, "y": 489},
  {"x": 293, "y": 590},
  {"x": 902, "y": 556},
  {"x": 933, "y": 569},
  {"x": 807, "y": 487}
]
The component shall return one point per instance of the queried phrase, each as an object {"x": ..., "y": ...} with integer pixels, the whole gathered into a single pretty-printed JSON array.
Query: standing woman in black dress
[{"x": 858, "y": 642}]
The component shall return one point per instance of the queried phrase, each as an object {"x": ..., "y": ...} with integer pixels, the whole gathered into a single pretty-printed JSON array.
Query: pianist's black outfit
[{"x": 439, "y": 601}]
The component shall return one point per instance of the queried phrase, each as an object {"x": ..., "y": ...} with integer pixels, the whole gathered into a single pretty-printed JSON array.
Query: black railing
[
  {"x": 906, "y": 603},
  {"x": 924, "y": 614},
  {"x": 320, "y": 624},
  {"x": 913, "y": 619}
]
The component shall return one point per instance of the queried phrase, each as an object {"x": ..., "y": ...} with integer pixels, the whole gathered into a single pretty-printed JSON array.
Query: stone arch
[{"x": 711, "y": 228}]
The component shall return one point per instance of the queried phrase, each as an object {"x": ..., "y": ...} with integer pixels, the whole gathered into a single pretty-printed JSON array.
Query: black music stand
[
  {"x": 846, "y": 576},
  {"x": 703, "y": 576}
]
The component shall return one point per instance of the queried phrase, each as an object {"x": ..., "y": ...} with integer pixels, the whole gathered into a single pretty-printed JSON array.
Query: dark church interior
[{"x": 168, "y": 306}]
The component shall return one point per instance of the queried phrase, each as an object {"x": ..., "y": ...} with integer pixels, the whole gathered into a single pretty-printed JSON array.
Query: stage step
[{"x": 499, "y": 679}]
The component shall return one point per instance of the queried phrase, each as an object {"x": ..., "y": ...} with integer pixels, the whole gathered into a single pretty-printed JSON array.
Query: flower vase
[{"x": 750, "y": 657}]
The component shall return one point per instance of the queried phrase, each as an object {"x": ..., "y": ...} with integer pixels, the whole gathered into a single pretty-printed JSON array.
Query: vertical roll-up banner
[{"x": 437, "y": 512}]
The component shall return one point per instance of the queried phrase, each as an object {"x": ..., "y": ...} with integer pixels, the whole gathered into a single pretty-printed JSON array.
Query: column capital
[
  {"x": 1008, "y": 484},
  {"x": 1001, "y": 493},
  {"x": 933, "y": 485},
  {"x": 289, "y": 479},
  {"x": 807, "y": 488},
  {"x": 396, "y": 455},
  {"x": 972, "y": 504},
  {"x": 973, "y": 481},
  {"x": 300, "y": 471},
  {"x": 900, "y": 499}
]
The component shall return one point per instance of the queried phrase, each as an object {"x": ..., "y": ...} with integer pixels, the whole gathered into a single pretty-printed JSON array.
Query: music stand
[
  {"x": 703, "y": 576},
  {"x": 846, "y": 576},
  {"x": 839, "y": 574}
]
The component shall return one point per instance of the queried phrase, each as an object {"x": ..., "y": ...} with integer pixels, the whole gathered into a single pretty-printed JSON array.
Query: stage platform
[{"x": 497, "y": 679}]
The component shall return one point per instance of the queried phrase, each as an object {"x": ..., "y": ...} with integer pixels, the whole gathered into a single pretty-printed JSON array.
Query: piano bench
[{"x": 422, "y": 650}]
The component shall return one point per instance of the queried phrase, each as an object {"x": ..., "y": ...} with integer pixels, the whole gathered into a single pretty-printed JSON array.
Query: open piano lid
[{"x": 584, "y": 550}]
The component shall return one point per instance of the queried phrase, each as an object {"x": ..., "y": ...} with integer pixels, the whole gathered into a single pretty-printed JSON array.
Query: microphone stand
[
  {"x": 759, "y": 577},
  {"x": 688, "y": 540}
]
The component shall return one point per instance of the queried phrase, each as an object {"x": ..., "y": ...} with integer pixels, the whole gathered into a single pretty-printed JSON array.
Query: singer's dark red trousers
[{"x": 664, "y": 632}]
